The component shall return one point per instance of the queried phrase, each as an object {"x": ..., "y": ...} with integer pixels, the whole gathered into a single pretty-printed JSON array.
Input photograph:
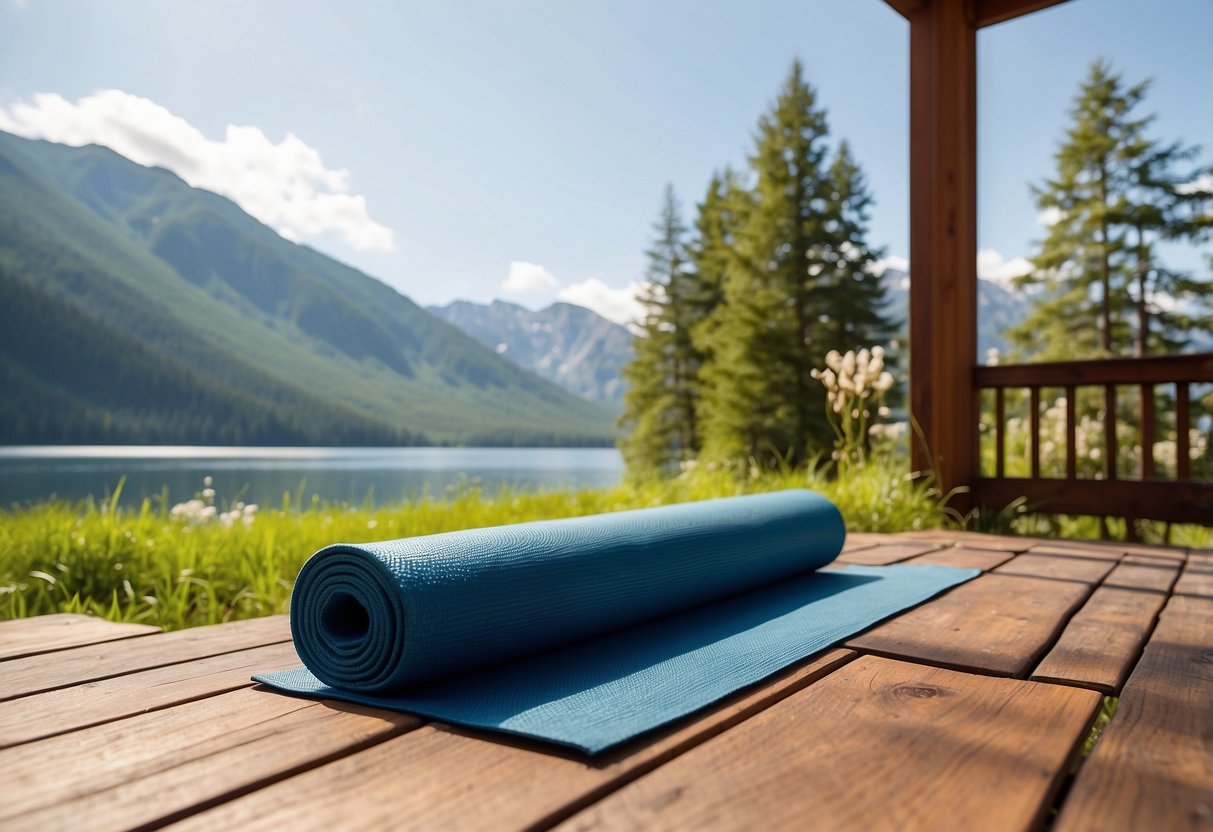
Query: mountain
[
  {"x": 578, "y": 349},
  {"x": 997, "y": 310},
  {"x": 139, "y": 309}
]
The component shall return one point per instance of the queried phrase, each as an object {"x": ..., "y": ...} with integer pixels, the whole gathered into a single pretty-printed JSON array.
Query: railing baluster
[
  {"x": 1000, "y": 438},
  {"x": 1183, "y": 464},
  {"x": 1034, "y": 421},
  {"x": 1147, "y": 431},
  {"x": 1071, "y": 423},
  {"x": 1186, "y": 498}
]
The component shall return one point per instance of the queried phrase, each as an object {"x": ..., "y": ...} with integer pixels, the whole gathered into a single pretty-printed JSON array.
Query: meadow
[
  {"x": 211, "y": 561},
  {"x": 187, "y": 568}
]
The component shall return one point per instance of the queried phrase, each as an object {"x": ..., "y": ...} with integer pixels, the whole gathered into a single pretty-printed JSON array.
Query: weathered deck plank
[
  {"x": 34, "y": 674},
  {"x": 47, "y": 633},
  {"x": 964, "y": 557},
  {"x": 141, "y": 770},
  {"x": 1144, "y": 573},
  {"x": 1153, "y": 768},
  {"x": 998, "y": 624},
  {"x": 1086, "y": 570},
  {"x": 443, "y": 778},
  {"x": 886, "y": 553},
  {"x": 1100, "y": 645},
  {"x": 1079, "y": 549},
  {"x": 1196, "y": 578},
  {"x": 68, "y": 709},
  {"x": 978, "y": 540},
  {"x": 878, "y": 744}
]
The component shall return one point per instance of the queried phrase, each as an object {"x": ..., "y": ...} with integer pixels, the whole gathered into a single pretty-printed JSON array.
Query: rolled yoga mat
[{"x": 591, "y": 630}]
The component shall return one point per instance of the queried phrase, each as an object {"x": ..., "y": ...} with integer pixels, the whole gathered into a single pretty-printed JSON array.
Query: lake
[{"x": 262, "y": 475}]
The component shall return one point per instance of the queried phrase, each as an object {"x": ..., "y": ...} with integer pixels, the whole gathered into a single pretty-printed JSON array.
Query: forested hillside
[{"x": 140, "y": 309}]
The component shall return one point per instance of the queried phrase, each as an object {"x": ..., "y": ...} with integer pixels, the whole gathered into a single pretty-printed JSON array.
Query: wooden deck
[{"x": 968, "y": 712}]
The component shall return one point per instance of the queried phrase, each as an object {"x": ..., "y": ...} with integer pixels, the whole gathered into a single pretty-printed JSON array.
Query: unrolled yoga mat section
[{"x": 588, "y": 631}]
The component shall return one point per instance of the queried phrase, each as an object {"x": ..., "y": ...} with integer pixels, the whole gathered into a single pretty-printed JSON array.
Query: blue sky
[{"x": 437, "y": 143}]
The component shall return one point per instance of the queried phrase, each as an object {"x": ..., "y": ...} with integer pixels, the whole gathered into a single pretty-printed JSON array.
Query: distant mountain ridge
[
  {"x": 997, "y": 310},
  {"x": 572, "y": 346},
  {"x": 137, "y": 308},
  {"x": 585, "y": 353}
]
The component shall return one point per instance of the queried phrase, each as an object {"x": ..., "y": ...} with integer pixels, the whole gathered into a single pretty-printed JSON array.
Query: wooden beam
[
  {"x": 989, "y": 12},
  {"x": 985, "y": 12},
  {"x": 1166, "y": 500},
  {"x": 943, "y": 241},
  {"x": 1196, "y": 368},
  {"x": 905, "y": 8}
]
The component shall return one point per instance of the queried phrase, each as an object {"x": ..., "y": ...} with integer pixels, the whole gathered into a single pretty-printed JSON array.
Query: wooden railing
[{"x": 1186, "y": 495}]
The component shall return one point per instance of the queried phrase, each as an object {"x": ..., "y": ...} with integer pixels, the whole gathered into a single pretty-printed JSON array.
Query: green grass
[{"x": 142, "y": 565}]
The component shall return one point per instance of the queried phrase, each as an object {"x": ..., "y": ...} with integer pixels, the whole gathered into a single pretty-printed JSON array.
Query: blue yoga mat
[{"x": 588, "y": 631}]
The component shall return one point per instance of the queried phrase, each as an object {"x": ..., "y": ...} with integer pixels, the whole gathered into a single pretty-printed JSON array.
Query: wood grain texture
[
  {"x": 866, "y": 540},
  {"x": 1167, "y": 500},
  {"x": 1100, "y": 645},
  {"x": 1196, "y": 579},
  {"x": 1168, "y": 552},
  {"x": 943, "y": 243},
  {"x": 34, "y": 674},
  {"x": 1079, "y": 549},
  {"x": 965, "y": 558},
  {"x": 47, "y": 633},
  {"x": 445, "y": 778},
  {"x": 138, "y": 771},
  {"x": 1157, "y": 369},
  {"x": 886, "y": 553},
  {"x": 1144, "y": 573},
  {"x": 999, "y": 624},
  {"x": 978, "y": 540},
  {"x": 68, "y": 709},
  {"x": 1153, "y": 767},
  {"x": 876, "y": 745},
  {"x": 1086, "y": 570}
]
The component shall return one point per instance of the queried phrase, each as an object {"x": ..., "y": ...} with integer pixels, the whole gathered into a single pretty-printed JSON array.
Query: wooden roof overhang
[{"x": 943, "y": 228}]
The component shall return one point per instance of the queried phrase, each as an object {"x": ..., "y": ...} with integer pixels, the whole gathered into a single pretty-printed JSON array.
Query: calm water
[{"x": 261, "y": 475}]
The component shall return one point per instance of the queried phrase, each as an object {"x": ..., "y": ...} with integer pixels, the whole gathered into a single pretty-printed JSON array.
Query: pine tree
[
  {"x": 659, "y": 406},
  {"x": 1163, "y": 204},
  {"x": 799, "y": 241},
  {"x": 1115, "y": 194},
  {"x": 856, "y": 318},
  {"x": 711, "y": 251}
]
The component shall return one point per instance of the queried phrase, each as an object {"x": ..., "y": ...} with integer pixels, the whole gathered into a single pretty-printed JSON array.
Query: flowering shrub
[
  {"x": 855, "y": 385},
  {"x": 202, "y": 510}
]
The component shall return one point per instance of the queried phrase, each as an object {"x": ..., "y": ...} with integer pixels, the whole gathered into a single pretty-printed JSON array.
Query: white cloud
[
  {"x": 992, "y": 266},
  {"x": 285, "y": 185},
  {"x": 528, "y": 279},
  {"x": 900, "y": 264},
  {"x": 1049, "y": 217},
  {"x": 618, "y": 305},
  {"x": 1202, "y": 184}
]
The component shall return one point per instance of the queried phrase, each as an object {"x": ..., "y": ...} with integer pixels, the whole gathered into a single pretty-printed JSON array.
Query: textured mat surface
[{"x": 589, "y": 631}]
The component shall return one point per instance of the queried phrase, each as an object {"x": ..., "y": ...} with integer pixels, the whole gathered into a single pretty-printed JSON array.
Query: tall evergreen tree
[
  {"x": 711, "y": 251},
  {"x": 659, "y": 406},
  {"x": 1114, "y": 195},
  {"x": 857, "y": 317},
  {"x": 801, "y": 236}
]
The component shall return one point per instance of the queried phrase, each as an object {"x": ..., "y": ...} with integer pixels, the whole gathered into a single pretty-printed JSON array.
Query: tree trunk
[
  {"x": 1143, "y": 312},
  {"x": 1105, "y": 276}
]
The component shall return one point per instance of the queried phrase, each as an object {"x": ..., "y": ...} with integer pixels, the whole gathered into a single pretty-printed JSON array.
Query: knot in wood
[{"x": 917, "y": 692}]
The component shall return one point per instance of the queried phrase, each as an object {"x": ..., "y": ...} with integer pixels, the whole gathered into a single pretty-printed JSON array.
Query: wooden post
[{"x": 943, "y": 240}]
